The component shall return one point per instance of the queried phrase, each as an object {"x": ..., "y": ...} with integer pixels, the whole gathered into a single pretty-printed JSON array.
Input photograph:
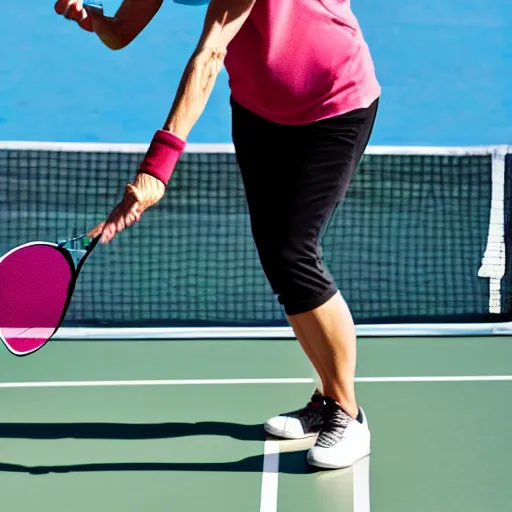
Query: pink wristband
[{"x": 162, "y": 155}]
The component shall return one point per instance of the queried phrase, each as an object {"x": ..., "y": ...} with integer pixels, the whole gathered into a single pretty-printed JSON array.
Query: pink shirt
[{"x": 299, "y": 61}]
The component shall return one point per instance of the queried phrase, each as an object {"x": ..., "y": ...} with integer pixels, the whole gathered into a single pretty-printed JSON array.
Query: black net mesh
[{"x": 406, "y": 245}]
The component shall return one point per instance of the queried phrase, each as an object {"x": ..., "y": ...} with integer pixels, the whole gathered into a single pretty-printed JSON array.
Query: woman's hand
[
  {"x": 74, "y": 10},
  {"x": 115, "y": 32},
  {"x": 145, "y": 192}
]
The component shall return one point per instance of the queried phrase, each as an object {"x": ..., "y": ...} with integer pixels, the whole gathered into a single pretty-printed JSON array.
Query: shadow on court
[
  {"x": 293, "y": 463},
  {"x": 130, "y": 430}
]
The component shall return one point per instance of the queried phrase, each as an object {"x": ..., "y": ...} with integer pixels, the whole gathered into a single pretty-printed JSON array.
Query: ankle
[
  {"x": 352, "y": 411},
  {"x": 349, "y": 406}
]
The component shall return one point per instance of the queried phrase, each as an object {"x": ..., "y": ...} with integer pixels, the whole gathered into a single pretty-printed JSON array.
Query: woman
[{"x": 304, "y": 99}]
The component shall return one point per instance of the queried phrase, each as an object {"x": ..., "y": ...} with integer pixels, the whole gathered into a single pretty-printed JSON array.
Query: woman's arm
[
  {"x": 118, "y": 32},
  {"x": 224, "y": 18},
  {"x": 129, "y": 21}
]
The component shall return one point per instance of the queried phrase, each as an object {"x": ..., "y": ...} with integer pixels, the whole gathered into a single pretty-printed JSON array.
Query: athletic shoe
[
  {"x": 299, "y": 424},
  {"x": 342, "y": 441}
]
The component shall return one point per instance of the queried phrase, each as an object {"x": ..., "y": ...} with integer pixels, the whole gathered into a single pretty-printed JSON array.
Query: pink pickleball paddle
[{"x": 37, "y": 281}]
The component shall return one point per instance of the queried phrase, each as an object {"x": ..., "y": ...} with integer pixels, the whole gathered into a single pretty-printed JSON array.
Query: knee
[{"x": 297, "y": 276}]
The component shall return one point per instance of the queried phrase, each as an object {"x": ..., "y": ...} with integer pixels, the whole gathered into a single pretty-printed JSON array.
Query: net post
[{"x": 494, "y": 260}]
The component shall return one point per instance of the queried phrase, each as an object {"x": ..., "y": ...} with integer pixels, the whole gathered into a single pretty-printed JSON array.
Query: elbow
[
  {"x": 116, "y": 44},
  {"x": 115, "y": 40}
]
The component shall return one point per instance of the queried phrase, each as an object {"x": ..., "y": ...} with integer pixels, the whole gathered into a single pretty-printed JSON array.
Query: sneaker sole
[
  {"x": 285, "y": 435},
  {"x": 335, "y": 466}
]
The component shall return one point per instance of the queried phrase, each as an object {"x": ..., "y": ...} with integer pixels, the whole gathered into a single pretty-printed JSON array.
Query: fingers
[
  {"x": 107, "y": 235},
  {"x": 109, "y": 230},
  {"x": 132, "y": 216},
  {"x": 111, "y": 225},
  {"x": 135, "y": 201},
  {"x": 70, "y": 9},
  {"x": 75, "y": 11},
  {"x": 61, "y": 6},
  {"x": 96, "y": 231},
  {"x": 121, "y": 218}
]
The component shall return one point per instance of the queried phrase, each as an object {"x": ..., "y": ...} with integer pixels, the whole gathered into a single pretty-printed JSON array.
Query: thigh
[
  {"x": 331, "y": 150},
  {"x": 295, "y": 176},
  {"x": 266, "y": 156}
]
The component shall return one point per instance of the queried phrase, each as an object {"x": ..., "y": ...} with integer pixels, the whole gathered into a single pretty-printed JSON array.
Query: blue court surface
[{"x": 444, "y": 66}]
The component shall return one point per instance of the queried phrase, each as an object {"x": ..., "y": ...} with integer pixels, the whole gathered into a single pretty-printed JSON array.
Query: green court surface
[{"x": 143, "y": 426}]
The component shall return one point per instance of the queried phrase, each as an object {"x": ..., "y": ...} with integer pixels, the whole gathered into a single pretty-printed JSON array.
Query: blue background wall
[{"x": 445, "y": 67}]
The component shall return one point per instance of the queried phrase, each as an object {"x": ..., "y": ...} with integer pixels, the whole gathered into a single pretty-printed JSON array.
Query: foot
[
  {"x": 342, "y": 441},
  {"x": 299, "y": 424}
]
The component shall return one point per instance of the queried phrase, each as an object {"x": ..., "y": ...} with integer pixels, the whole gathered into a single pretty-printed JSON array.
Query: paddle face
[{"x": 36, "y": 284}]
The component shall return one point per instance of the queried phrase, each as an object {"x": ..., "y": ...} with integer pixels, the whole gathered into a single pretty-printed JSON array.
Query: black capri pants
[{"x": 294, "y": 178}]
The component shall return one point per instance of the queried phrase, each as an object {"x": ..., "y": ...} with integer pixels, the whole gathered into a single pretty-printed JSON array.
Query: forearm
[
  {"x": 130, "y": 20},
  {"x": 105, "y": 29},
  {"x": 194, "y": 91},
  {"x": 224, "y": 19}
]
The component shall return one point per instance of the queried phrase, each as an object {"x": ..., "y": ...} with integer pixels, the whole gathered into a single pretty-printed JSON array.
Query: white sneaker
[
  {"x": 299, "y": 424},
  {"x": 342, "y": 441}
]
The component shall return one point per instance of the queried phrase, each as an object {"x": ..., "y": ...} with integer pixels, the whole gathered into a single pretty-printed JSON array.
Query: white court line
[
  {"x": 361, "y": 485},
  {"x": 448, "y": 378},
  {"x": 270, "y": 477},
  {"x": 192, "y": 382},
  {"x": 122, "y": 383}
]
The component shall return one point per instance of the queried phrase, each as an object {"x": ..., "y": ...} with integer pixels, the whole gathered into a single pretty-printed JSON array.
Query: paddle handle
[{"x": 95, "y": 6}]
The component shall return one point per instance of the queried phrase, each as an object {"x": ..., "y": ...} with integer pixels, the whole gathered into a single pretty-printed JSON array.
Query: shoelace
[
  {"x": 313, "y": 407},
  {"x": 312, "y": 414},
  {"x": 336, "y": 422}
]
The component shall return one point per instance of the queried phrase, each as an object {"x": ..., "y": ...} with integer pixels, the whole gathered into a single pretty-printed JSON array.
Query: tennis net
[{"x": 423, "y": 236}]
